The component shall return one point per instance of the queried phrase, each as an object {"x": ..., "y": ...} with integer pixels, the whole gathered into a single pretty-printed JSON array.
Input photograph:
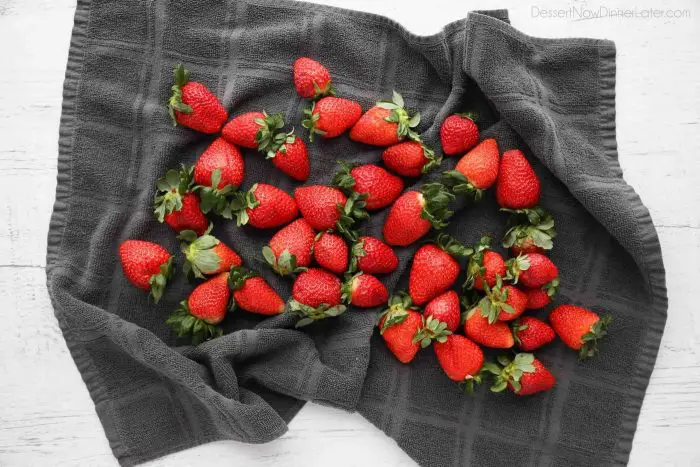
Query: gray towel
[{"x": 154, "y": 395}]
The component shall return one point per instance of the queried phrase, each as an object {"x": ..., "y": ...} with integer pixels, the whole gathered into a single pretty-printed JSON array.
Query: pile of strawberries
[{"x": 496, "y": 291}]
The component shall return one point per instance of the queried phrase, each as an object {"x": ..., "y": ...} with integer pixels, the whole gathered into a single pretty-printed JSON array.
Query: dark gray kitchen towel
[{"x": 154, "y": 395}]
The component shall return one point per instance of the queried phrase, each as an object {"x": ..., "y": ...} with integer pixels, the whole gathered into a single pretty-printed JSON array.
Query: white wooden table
[{"x": 46, "y": 415}]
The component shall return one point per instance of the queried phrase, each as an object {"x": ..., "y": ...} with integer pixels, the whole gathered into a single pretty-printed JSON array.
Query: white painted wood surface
[{"x": 46, "y": 415}]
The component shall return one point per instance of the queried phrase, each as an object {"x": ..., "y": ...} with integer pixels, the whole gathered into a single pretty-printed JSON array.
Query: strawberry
[
  {"x": 434, "y": 270},
  {"x": 530, "y": 230},
  {"x": 497, "y": 335},
  {"x": 319, "y": 205},
  {"x": 386, "y": 123},
  {"x": 327, "y": 208},
  {"x": 331, "y": 117},
  {"x": 476, "y": 171},
  {"x": 410, "y": 158},
  {"x": 458, "y": 134},
  {"x": 538, "y": 298},
  {"x": 484, "y": 266},
  {"x": 460, "y": 359},
  {"x": 524, "y": 375},
  {"x": 380, "y": 187},
  {"x": 373, "y": 256},
  {"x": 289, "y": 250},
  {"x": 531, "y": 333},
  {"x": 445, "y": 308},
  {"x": 203, "y": 310},
  {"x": 579, "y": 328},
  {"x": 414, "y": 213},
  {"x": 288, "y": 153},
  {"x": 206, "y": 254},
  {"x": 224, "y": 157},
  {"x": 264, "y": 207},
  {"x": 533, "y": 271},
  {"x": 364, "y": 291},
  {"x": 331, "y": 252},
  {"x": 251, "y": 293},
  {"x": 193, "y": 105},
  {"x": 398, "y": 325},
  {"x": 292, "y": 158},
  {"x": 146, "y": 265},
  {"x": 217, "y": 173},
  {"x": 502, "y": 302},
  {"x": 517, "y": 186},
  {"x": 311, "y": 79},
  {"x": 316, "y": 295},
  {"x": 243, "y": 129},
  {"x": 175, "y": 203}
]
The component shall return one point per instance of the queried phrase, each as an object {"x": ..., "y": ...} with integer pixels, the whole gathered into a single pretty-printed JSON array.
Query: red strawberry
[
  {"x": 251, "y": 293},
  {"x": 529, "y": 231},
  {"x": 243, "y": 129},
  {"x": 434, "y": 270},
  {"x": 533, "y": 271},
  {"x": 264, "y": 207},
  {"x": 502, "y": 302},
  {"x": 531, "y": 333},
  {"x": 414, "y": 213},
  {"x": 517, "y": 186},
  {"x": 311, "y": 79},
  {"x": 290, "y": 248},
  {"x": 579, "y": 328},
  {"x": 484, "y": 266},
  {"x": 331, "y": 252},
  {"x": 410, "y": 158},
  {"x": 331, "y": 117},
  {"x": 146, "y": 265},
  {"x": 476, "y": 171},
  {"x": 445, "y": 308},
  {"x": 193, "y": 105},
  {"x": 460, "y": 359},
  {"x": 316, "y": 294},
  {"x": 176, "y": 205},
  {"x": 206, "y": 254},
  {"x": 524, "y": 375},
  {"x": 381, "y": 187},
  {"x": 319, "y": 205},
  {"x": 497, "y": 335},
  {"x": 398, "y": 326},
  {"x": 226, "y": 158},
  {"x": 293, "y": 159},
  {"x": 537, "y": 298},
  {"x": 365, "y": 291},
  {"x": 203, "y": 310},
  {"x": 374, "y": 256},
  {"x": 385, "y": 124},
  {"x": 189, "y": 217},
  {"x": 458, "y": 134}
]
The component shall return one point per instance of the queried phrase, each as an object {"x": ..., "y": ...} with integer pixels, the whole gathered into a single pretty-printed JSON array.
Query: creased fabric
[{"x": 552, "y": 98}]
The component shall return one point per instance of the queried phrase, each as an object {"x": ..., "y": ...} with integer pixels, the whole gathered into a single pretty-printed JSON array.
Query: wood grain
[{"x": 46, "y": 415}]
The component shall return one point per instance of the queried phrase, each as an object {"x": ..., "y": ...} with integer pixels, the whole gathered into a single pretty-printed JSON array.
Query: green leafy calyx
[
  {"x": 343, "y": 179},
  {"x": 241, "y": 202},
  {"x": 270, "y": 138},
  {"x": 431, "y": 330},
  {"x": 399, "y": 307},
  {"x": 170, "y": 189},
  {"x": 160, "y": 280},
  {"x": 475, "y": 265},
  {"x": 184, "y": 324},
  {"x": 181, "y": 77},
  {"x": 459, "y": 184},
  {"x": 350, "y": 214},
  {"x": 285, "y": 264},
  {"x": 591, "y": 338},
  {"x": 511, "y": 371},
  {"x": 495, "y": 301},
  {"x": 406, "y": 121},
  {"x": 528, "y": 227},
  {"x": 200, "y": 256},
  {"x": 436, "y": 200},
  {"x": 308, "y": 314}
]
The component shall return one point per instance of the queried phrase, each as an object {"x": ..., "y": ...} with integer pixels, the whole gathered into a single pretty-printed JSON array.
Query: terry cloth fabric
[{"x": 154, "y": 395}]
